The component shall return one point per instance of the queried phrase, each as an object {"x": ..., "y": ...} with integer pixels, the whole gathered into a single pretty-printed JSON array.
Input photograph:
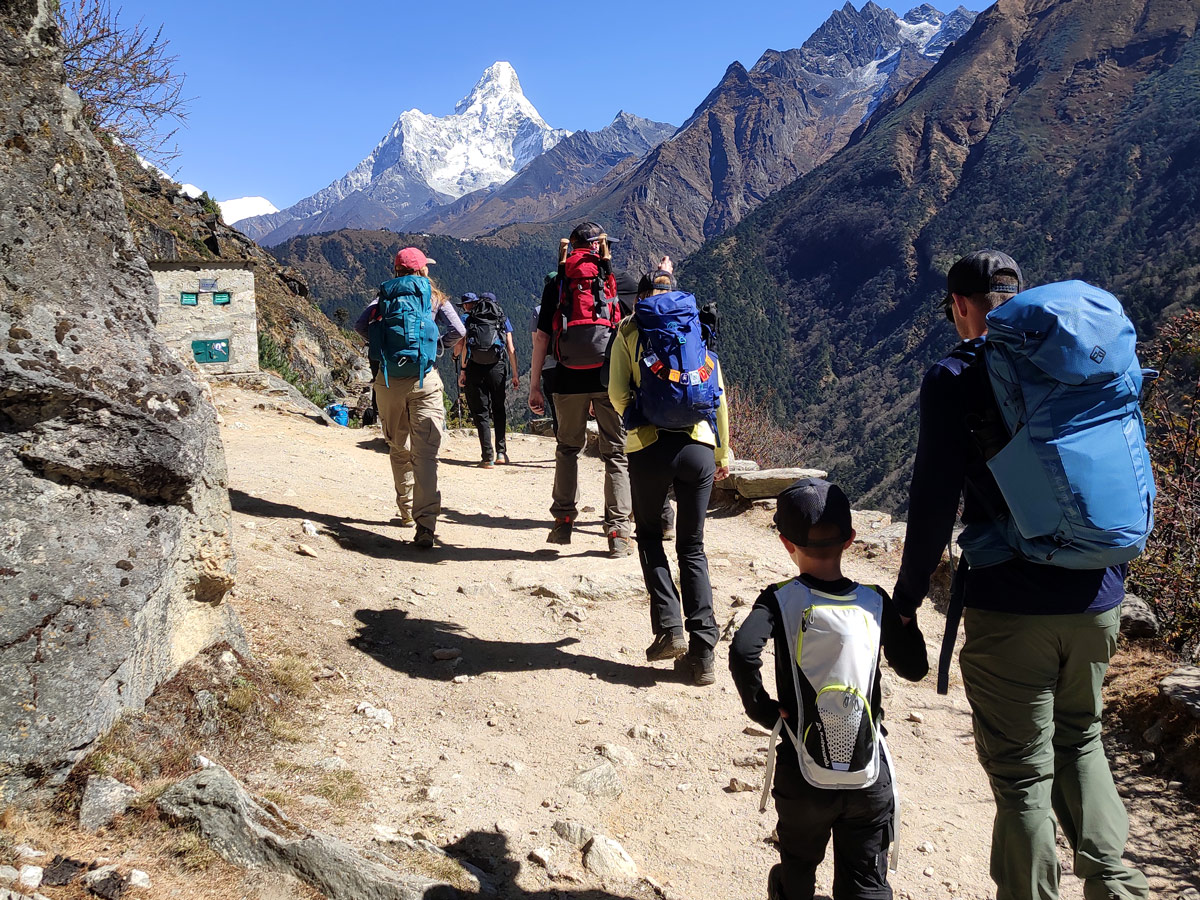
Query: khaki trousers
[
  {"x": 572, "y": 437},
  {"x": 412, "y": 419}
]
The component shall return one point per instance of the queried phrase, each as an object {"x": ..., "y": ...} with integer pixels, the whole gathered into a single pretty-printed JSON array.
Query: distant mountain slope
[
  {"x": 551, "y": 182},
  {"x": 760, "y": 129},
  {"x": 1075, "y": 148},
  {"x": 425, "y": 161}
]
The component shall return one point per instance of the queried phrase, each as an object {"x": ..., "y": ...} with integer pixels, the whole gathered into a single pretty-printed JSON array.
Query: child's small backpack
[
  {"x": 588, "y": 311},
  {"x": 678, "y": 387},
  {"x": 836, "y": 640},
  {"x": 401, "y": 334},
  {"x": 485, "y": 326},
  {"x": 1070, "y": 458}
]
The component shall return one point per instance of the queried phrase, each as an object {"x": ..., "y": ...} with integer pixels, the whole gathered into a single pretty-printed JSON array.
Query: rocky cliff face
[
  {"x": 114, "y": 549},
  {"x": 551, "y": 182},
  {"x": 759, "y": 129}
]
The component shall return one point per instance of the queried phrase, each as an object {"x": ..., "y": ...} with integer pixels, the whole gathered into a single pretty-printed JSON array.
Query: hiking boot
[
  {"x": 502, "y": 458},
  {"x": 424, "y": 537},
  {"x": 403, "y": 520},
  {"x": 699, "y": 670},
  {"x": 669, "y": 533},
  {"x": 666, "y": 645},
  {"x": 775, "y": 883},
  {"x": 619, "y": 546},
  {"x": 561, "y": 532},
  {"x": 486, "y": 464}
]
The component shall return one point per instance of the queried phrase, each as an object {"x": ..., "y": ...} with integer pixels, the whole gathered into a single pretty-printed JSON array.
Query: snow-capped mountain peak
[
  {"x": 244, "y": 207},
  {"x": 499, "y": 80}
]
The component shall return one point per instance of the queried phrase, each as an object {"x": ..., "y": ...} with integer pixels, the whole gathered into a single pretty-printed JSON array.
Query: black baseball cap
[
  {"x": 810, "y": 502},
  {"x": 587, "y": 232},
  {"x": 658, "y": 280},
  {"x": 982, "y": 272}
]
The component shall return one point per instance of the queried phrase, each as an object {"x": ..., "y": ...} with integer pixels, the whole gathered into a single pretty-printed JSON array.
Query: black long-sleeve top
[
  {"x": 949, "y": 465},
  {"x": 903, "y": 647}
]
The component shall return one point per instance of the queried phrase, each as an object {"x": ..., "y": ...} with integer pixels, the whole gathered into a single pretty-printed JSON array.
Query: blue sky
[{"x": 290, "y": 96}]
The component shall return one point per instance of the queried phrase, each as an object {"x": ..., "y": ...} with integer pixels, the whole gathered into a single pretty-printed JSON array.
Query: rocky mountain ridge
[{"x": 425, "y": 161}]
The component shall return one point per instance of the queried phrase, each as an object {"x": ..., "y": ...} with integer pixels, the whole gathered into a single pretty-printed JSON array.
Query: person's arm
[
  {"x": 449, "y": 316},
  {"x": 745, "y": 660},
  {"x": 541, "y": 344},
  {"x": 512, "y": 357},
  {"x": 620, "y": 371},
  {"x": 723, "y": 452},
  {"x": 903, "y": 644},
  {"x": 937, "y": 483},
  {"x": 360, "y": 324}
]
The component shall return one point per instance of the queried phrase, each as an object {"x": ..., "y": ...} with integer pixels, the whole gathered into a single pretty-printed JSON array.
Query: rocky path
[{"x": 506, "y": 670}]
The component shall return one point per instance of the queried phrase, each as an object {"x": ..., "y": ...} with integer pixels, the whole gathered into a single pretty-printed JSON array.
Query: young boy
[{"x": 827, "y": 631}]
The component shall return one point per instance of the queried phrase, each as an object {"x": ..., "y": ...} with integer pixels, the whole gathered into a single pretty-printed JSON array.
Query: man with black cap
[
  {"x": 578, "y": 318},
  {"x": 1038, "y": 636},
  {"x": 833, "y": 775}
]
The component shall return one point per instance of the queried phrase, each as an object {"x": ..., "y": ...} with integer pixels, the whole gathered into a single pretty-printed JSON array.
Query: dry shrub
[
  {"x": 756, "y": 434},
  {"x": 1167, "y": 575},
  {"x": 293, "y": 675}
]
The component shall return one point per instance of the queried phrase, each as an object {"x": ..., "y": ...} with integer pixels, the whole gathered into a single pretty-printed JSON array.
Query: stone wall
[
  {"x": 115, "y": 556},
  {"x": 191, "y": 329}
]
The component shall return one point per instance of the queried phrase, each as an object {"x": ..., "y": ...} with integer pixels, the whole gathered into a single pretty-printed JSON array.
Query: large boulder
[
  {"x": 770, "y": 482},
  {"x": 114, "y": 511}
]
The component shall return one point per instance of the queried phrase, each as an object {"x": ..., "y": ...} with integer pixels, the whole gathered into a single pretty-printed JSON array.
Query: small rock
[
  {"x": 1149, "y": 757},
  {"x": 642, "y": 732},
  {"x": 461, "y": 679},
  {"x": 917, "y": 717},
  {"x": 62, "y": 870},
  {"x": 1182, "y": 687},
  {"x": 378, "y": 716},
  {"x": 599, "y": 781},
  {"x": 1154, "y": 734},
  {"x": 574, "y": 832},
  {"x": 8, "y": 874},
  {"x": 139, "y": 879},
  {"x": 925, "y": 847},
  {"x": 574, "y": 613},
  {"x": 552, "y": 591},
  {"x": 740, "y": 600},
  {"x": 305, "y": 550},
  {"x": 24, "y": 851},
  {"x": 1137, "y": 618},
  {"x": 927, "y": 871},
  {"x": 617, "y": 755},
  {"x": 29, "y": 878},
  {"x": 685, "y": 787},
  {"x": 444, "y": 653},
  {"x": 104, "y": 799},
  {"x": 431, "y": 792},
  {"x": 608, "y": 860},
  {"x": 310, "y": 528},
  {"x": 736, "y": 785},
  {"x": 514, "y": 766},
  {"x": 749, "y": 762},
  {"x": 756, "y": 731},
  {"x": 541, "y": 856},
  {"x": 105, "y": 882}
]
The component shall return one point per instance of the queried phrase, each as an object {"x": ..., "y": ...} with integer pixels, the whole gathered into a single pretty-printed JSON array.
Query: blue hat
[
  {"x": 488, "y": 295},
  {"x": 469, "y": 297}
]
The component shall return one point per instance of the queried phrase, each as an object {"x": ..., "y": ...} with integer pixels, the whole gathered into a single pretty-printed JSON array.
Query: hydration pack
[
  {"x": 836, "y": 640},
  {"x": 1071, "y": 459},
  {"x": 588, "y": 310},
  {"x": 485, "y": 330},
  {"x": 401, "y": 334},
  {"x": 678, "y": 385}
]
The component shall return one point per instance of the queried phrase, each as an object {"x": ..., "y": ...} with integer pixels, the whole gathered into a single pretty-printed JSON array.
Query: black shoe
[
  {"x": 424, "y": 537},
  {"x": 774, "y": 885},
  {"x": 667, "y": 645},
  {"x": 699, "y": 670},
  {"x": 561, "y": 532}
]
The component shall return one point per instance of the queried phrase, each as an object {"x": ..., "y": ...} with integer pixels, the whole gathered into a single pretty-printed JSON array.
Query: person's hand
[
  {"x": 783, "y": 713},
  {"x": 537, "y": 401},
  {"x": 904, "y": 620},
  {"x": 516, "y": 381},
  {"x": 666, "y": 265},
  {"x": 462, "y": 378},
  {"x": 721, "y": 474}
]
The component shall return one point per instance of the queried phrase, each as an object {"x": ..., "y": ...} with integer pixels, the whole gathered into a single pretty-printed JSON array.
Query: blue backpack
[
  {"x": 679, "y": 385},
  {"x": 1074, "y": 472},
  {"x": 401, "y": 334}
]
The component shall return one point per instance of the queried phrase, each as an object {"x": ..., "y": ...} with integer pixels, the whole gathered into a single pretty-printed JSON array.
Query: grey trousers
[{"x": 572, "y": 437}]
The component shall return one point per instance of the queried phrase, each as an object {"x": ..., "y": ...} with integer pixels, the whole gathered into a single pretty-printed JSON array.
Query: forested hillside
[{"x": 1073, "y": 148}]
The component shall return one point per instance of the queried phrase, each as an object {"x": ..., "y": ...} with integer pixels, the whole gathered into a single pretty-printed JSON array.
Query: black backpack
[{"x": 485, "y": 329}]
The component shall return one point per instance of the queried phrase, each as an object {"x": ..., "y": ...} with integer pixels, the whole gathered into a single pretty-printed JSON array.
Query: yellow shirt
[{"x": 624, "y": 375}]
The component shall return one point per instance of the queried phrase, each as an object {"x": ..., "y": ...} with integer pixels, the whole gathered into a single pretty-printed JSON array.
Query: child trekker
[{"x": 833, "y": 774}]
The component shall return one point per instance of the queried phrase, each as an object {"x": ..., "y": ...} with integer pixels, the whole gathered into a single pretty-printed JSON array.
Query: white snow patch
[
  {"x": 190, "y": 190},
  {"x": 244, "y": 207}
]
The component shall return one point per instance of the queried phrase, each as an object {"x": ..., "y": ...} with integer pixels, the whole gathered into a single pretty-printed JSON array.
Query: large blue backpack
[
  {"x": 1075, "y": 474},
  {"x": 679, "y": 387},
  {"x": 401, "y": 334}
]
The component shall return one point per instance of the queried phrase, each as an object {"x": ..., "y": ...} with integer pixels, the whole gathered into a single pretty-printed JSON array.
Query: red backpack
[{"x": 588, "y": 311}]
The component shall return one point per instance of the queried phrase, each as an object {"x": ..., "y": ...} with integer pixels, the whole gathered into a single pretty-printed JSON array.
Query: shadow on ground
[{"x": 405, "y": 643}]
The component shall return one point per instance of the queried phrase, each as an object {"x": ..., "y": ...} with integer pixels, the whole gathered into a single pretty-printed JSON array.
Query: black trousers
[
  {"x": 860, "y": 823},
  {"x": 675, "y": 460},
  {"x": 484, "y": 389},
  {"x": 548, "y": 393}
]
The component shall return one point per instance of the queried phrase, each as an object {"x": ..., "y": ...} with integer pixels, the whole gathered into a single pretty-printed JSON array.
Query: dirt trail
[{"x": 483, "y": 747}]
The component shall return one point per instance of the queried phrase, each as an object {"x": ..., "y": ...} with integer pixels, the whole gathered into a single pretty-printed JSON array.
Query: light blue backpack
[{"x": 1062, "y": 363}]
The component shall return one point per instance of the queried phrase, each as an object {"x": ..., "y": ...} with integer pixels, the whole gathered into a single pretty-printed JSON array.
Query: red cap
[{"x": 412, "y": 258}]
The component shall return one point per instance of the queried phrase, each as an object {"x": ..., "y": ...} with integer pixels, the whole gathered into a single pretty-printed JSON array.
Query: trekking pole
[{"x": 458, "y": 397}]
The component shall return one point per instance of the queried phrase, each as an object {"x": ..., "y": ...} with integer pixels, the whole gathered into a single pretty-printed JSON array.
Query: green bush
[{"x": 271, "y": 356}]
